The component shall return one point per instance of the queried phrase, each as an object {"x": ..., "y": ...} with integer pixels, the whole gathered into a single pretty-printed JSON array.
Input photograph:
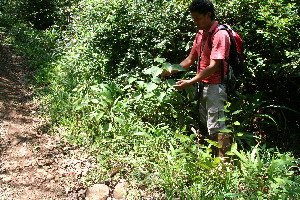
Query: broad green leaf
[
  {"x": 151, "y": 86},
  {"x": 140, "y": 133},
  {"x": 106, "y": 140},
  {"x": 147, "y": 71},
  {"x": 170, "y": 82},
  {"x": 178, "y": 67},
  {"x": 119, "y": 120},
  {"x": 267, "y": 116},
  {"x": 127, "y": 87},
  {"x": 217, "y": 160},
  {"x": 149, "y": 94},
  {"x": 162, "y": 96},
  {"x": 156, "y": 71},
  {"x": 141, "y": 84},
  {"x": 280, "y": 162},
  {"x": 204, "y": 165},
  {"x": 280, "y": 181},
  {"x": 75, "y": 89},
  {"x": 156, "y": 80},
  {"x": 160, "y": 60},
  {"x": 167, "y": 66}
]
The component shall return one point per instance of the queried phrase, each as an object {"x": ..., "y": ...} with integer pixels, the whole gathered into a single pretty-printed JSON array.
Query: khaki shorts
[{"x": 211, "y": 107}]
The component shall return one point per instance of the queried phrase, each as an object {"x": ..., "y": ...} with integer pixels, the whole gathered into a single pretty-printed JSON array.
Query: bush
[
  {"x": 99, "y": 66},
  {"x": 270, "y": 29}
]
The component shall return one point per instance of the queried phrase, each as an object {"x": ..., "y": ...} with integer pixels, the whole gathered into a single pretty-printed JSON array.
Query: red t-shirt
[{"x": 220, "y": 50}]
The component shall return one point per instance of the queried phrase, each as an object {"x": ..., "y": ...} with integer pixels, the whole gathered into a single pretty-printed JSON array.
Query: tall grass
[{"x": 99, "y": 81}]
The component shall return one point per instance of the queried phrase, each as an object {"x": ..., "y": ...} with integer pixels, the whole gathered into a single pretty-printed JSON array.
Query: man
[{"x": 211, "y": 50}]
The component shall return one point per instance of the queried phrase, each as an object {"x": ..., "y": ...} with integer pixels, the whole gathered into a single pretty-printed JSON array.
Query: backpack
[{"x": 235, "y": 60}]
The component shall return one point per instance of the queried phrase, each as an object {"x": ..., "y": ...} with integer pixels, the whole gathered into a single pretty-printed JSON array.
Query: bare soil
[{"x": 34, "y": 164}]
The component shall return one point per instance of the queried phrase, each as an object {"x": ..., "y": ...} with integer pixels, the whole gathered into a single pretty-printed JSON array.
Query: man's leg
[
  {"x": 214, "y": 98},
  {"x": 224, "y": 140}
]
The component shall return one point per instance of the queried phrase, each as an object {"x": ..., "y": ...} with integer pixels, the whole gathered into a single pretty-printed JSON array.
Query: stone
[
  {"x": 97, "y": 192},
  {"x": 120, "y": 190},
  {"x": 16, "y": 141}
]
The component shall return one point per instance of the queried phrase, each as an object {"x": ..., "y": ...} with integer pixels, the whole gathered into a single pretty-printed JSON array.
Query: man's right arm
[{"x": 186, "y": 63}]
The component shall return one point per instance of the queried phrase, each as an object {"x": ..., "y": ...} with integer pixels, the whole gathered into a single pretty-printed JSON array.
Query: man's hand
[{"x": 182, "y": 84}]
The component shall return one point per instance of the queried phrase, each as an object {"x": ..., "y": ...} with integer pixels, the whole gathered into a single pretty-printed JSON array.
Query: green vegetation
[{"x": 97, "y": 63}]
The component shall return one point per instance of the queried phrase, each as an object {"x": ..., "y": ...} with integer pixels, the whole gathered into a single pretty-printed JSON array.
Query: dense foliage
[{"x": 99, "y": 61}]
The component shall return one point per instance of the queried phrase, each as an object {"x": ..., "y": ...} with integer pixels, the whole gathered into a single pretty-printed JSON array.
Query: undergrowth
[{"x": 98, "y": 78}]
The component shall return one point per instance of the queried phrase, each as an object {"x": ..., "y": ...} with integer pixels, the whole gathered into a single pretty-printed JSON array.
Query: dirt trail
[{"x": 33, "y": 163}]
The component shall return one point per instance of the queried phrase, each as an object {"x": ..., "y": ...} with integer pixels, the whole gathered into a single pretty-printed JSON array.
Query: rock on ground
[
  {"x": 97, "y": 192},
  {"x": 120, "y": 190}
]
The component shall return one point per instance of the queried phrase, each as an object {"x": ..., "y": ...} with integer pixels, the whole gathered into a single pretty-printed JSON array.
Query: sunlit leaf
[
  {"x": 214, "y": 143},
  {"x": 240, "y": 134},
  {"x": 170, "y": 82},
  {"x": 226, "y": 131},
  {"x": 167, "y": 66},
  {"x": 151, "y": 86},
  {"x": 236, "y": 112},
  {"x": 178, "y": 67},
  {"x": 237, "y": 123},
  {"x": 141, "y": 84},
  {"x": 95, "y": 101},
  {"x": 223, "y": 119},
  {"x": 156, "y": 80},
  {"x": 162, "y": 96},
  {"x": 149, "y": 94},
  {"x": 160, "y": 60}
]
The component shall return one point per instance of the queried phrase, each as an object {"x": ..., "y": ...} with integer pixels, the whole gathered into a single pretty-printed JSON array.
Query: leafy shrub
[
  {"x": 269, "y": 30},
  {"x": 99, "y": 65},
  {"x": 260, "y": 174}
]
